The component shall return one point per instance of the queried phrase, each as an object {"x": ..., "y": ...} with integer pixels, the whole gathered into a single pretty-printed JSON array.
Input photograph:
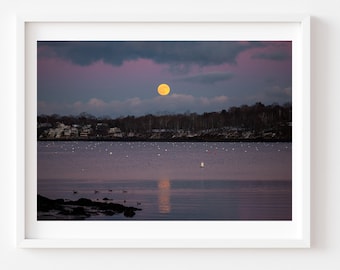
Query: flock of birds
[
  {"x": 208, "y": 148},
  {"x": 75, "y": 192}
]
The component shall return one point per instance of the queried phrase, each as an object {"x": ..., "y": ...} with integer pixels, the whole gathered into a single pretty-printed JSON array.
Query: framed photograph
[{"x": 163, "y": 132}]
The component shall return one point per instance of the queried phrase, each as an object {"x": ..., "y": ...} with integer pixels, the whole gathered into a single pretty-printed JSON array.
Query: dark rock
[
  {"x": 82, "y": 208},
  {"x": 82, "y": 201},
  {"x": 109, "y": 213},
  {"x": 80, "y": 211},
  {"x": 129, "y": 212},
  {"x": 59, "y": 201},
  {"x": 65, "y": 212},
  {"x": 44, "y": 204}
]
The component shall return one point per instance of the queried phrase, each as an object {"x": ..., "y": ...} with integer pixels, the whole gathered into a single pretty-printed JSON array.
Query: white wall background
[{"x": 325, "y": 145}]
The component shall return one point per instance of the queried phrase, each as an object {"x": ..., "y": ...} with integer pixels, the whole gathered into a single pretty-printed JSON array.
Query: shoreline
[
  {"x": 100, "y": 139},
  {"x": 81, "y": 209}
]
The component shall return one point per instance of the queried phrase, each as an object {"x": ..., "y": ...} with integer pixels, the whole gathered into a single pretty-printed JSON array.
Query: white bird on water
[{"x": 202, "y": 165}]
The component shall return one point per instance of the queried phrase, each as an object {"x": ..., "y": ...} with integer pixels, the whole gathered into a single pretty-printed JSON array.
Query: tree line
[{"x": 257, "y": 118}]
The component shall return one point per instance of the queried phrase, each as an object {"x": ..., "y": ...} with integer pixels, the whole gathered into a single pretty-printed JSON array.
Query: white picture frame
[{"x": 161, "y": 234}]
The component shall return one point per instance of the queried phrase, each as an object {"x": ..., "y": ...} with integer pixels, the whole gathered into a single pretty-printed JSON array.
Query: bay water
[{"x": 172, "y": 180}]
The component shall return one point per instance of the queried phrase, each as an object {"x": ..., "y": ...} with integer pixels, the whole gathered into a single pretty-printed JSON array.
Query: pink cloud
[{"x": 136, "y": 106}]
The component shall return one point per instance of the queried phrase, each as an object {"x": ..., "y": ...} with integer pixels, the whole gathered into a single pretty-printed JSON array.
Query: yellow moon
[{"x": 163, "y": 89}]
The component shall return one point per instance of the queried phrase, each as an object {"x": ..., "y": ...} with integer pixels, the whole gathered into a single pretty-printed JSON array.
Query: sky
[{"x": 120, "y": 78}]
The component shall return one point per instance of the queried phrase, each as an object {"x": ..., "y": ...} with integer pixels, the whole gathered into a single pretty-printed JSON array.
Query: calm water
[{"x": 239, "y": 181}]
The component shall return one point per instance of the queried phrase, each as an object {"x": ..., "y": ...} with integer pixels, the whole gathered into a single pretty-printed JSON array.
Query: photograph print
[{"x": 164, "y": 130}]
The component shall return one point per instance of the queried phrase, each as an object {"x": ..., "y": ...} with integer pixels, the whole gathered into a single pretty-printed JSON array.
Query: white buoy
[{"x": 202, "y": 165}]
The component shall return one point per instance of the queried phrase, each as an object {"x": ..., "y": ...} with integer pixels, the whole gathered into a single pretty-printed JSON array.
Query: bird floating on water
[{"x": 202, "y": 165}]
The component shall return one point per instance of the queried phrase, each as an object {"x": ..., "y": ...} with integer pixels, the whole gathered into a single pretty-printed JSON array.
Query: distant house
[
  {"x": 115, "y": 132},
  {"x": 51, "y": 133},
  {"x": 131, "y": 134},
  {"x": 74, "y": 132},
  {"x": 86, "y": 131},
  {"x": 67, "y": 132},
  {"x": 102, "y": 129}
]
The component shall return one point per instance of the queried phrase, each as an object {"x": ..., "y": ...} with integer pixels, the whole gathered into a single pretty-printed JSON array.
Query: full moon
[{"x": 163, "y": 89}]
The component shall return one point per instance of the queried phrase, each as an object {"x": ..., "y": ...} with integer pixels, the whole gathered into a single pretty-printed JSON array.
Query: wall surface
[{"x": 325, "y": 145}]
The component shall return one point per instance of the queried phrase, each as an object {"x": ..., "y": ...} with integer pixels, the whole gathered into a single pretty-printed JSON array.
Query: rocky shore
[{"x": 81, "y": 209}]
